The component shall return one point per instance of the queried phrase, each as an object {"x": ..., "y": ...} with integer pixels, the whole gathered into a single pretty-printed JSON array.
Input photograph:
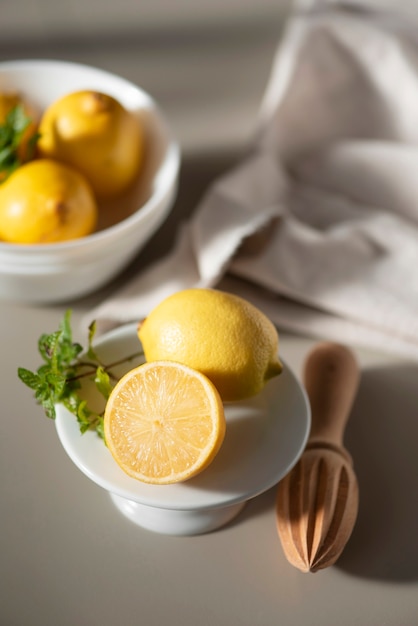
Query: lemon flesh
[
  {"x": 164, "y": 423},
  {"x": 219, "y": 334},
  {"x": 46, "y": 202},
  {"x": 94, "y": 133}
]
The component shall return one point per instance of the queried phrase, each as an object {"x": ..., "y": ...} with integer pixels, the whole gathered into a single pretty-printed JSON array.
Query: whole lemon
[
  {"x": 217, "y": 333},
  {"x": 43, "y": 202},
  {"x": 94, "y": 133}
]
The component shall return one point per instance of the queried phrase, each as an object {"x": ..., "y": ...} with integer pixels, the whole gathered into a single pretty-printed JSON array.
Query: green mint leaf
[
  {"x": 56, "y": 382},
  {"x": 7, "y": 155},
  {"x": 91, "y": 353},
  {"x": 12, "y": 133},
  {"x": 67, "y": 351},
  {"x": 47, "y": 345},
  {"x": 84, "y": 416},
  {"x": 17, "y": 120},
  {"x": 102, "y": 381},
  {"x": 49, "y": 407},
  {"x": 100, "y": 427},
  {"x": 30, "y": 379},
  {"x": 52, "y": 381},
  {"x": 92, "y": 332},
  {"x": 64, "y": 364},
  {"x": 65, "y": 327}
]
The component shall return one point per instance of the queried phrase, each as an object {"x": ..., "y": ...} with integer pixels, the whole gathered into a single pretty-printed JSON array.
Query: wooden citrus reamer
[{"x": 317, "y": 501}]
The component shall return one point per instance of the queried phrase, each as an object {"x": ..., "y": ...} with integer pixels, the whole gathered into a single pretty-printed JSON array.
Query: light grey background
[
  {"x": 207, "y": 63},
  {"x": 67, "y": 556}
]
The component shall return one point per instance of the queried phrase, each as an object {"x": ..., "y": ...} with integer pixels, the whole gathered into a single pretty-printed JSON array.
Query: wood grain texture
[{"x": 317, "y": 502}]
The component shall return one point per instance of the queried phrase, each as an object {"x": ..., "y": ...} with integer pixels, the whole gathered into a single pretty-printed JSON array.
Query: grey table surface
[{"x": 67, "y": 556}]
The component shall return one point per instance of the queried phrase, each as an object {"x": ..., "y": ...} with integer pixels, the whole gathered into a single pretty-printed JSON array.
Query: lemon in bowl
[
  {"x": 64, "y": 270},
  {"x": 94, "y": 133},
  {"x": 46, "y": 201}
]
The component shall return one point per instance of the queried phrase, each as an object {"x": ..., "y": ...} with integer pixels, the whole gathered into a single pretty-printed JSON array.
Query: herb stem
[
  {"x": 56, "y": 381},
  {"x": 107, "y": 368}
]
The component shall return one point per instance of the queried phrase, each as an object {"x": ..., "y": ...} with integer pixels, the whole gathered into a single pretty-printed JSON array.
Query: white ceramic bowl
[
  {"x": 265, "y": 436},
  {"x": 59, "y": 272}
]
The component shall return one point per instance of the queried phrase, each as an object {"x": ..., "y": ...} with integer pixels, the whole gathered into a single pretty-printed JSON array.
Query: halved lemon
[{"x": 164, "y": 422}]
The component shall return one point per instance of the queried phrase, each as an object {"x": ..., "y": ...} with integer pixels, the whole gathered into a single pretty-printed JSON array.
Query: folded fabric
[{"x": 319, "y": 225}]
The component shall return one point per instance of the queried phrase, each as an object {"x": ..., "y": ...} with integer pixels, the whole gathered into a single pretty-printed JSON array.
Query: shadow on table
[{"x": 382, "y": 437}]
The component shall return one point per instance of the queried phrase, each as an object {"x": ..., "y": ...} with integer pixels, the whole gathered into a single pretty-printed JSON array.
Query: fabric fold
[{"x": 319, "y": 224}]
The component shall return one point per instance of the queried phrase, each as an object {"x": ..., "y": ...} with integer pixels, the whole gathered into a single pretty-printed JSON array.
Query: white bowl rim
[{"x": 171, "y": 164}]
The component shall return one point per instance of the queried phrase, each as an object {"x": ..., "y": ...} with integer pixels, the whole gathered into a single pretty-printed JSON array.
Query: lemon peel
[
  {"x": 45, "y": 201},
  {"x": 96, "y": 134},
  {"x": 217, "y": 333}
]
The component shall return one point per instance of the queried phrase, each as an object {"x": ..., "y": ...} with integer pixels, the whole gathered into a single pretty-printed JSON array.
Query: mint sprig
[
  {"x": 12, "y": 132},
  {"x": 65, "y": 364}
]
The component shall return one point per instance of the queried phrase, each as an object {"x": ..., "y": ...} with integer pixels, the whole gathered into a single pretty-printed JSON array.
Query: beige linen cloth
[{"x": 318, "y": 226}]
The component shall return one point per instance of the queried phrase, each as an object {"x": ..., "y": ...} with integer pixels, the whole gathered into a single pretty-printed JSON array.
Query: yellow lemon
[
  {"x": 43, "y": 202},
  {"x": 164, "y": 423},
  {"x": 95, "y": 134},
  {"x": 219, "y": 334}
]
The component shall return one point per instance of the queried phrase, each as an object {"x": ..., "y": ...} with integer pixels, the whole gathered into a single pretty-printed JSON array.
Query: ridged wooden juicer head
[{"x": 317, "y": 502}]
